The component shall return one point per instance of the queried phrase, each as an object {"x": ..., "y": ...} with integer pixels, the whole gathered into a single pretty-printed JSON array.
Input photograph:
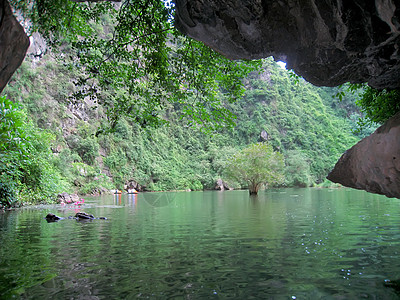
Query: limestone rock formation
[
  {"x": 13, "y": 43},
  {"x": 222, "y": 185},
  {"x": 132, "y": 185},
  {"x": 65, "y": 198},
  {"x": 374, "y": 163},
  {"x": 326, "y": 42}
]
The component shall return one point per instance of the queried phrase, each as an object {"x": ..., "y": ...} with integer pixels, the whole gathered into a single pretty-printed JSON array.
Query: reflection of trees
[
  {"x": 40, "y": 260},
  {"x": 159, "y": 199},
  {"x": 25, "y": 256},
  {"x": 237, "y": 246}
]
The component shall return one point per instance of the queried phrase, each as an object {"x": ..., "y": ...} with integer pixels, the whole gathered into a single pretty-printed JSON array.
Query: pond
[{"x": 283, "y": 244}]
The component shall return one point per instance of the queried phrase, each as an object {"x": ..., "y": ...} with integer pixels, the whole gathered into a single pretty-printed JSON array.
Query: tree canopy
[
  {"x": 376, "y": 105},
  {"x": 134, "y": 62},
  {"x": 256, "y": 165}
]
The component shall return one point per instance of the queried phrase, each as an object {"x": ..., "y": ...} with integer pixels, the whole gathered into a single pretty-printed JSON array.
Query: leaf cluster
[
  {"x": 379, "y": 105},
  {"x": 376, "y": 106},
  {"x": 135, "y": 47}
]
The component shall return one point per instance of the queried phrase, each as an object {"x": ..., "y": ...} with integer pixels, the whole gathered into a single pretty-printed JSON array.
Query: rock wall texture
[
  {"x": 13, "y": 43},
  {"x": 374, "y": 163},
  {"x": 327, "y": 42}
]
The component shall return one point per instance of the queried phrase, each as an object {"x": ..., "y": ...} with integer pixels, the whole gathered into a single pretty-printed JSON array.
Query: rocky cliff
[
  {"x": 13, "y": 43},
  {"x": 326, "y": 42}
]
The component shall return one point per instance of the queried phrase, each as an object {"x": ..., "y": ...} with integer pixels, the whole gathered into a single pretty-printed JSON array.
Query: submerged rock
[
  {"x": 83, "y": 215},
  {"x": 394, "y": 284},
  {"x": 52, "y": 218},
  {"x": 78, "y": 216}
]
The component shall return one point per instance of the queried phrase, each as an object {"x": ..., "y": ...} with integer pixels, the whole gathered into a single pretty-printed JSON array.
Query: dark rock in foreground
[
  {"x": 78, "y": 216},
  {"x": 326, "y": 42},
  {"x": 83, "y": 215},
  {"x": 52, "y": 218},
  {"x": 13, "y": 43},
  {"x": 374, "y": 163}
]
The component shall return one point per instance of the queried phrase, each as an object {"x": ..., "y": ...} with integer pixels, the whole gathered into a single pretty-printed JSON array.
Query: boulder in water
[
  {"x": 84, "y": 216},
  {"x": 52, "y": 218},
  {"x": 65, "y": 198}
]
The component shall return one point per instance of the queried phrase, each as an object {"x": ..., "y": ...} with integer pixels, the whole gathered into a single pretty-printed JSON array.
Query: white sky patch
[{"x": 282, "y": 64}]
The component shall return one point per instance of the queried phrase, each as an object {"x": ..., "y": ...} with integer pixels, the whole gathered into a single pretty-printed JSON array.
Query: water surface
[{"x": 283, "y": 244}]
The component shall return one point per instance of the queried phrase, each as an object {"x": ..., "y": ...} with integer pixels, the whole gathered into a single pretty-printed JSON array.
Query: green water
[{"x": 284, "y": 244}]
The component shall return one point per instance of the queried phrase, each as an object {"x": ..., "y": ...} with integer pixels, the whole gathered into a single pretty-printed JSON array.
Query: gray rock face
[
  {"x": 13, "y": 43},
  {"x": 374, "y": 163},
  {"x": 326, "y": 42},
  {"x": 132, "y": 185},
  {"x": 65, "y": 198},
  {"x": 222, "y": 185}
]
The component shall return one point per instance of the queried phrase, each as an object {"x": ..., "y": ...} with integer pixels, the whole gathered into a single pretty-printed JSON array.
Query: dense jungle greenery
[
  {"x": 64, "y": 150},
  {"x": 131, "y": 58},
  {"x": 125, "y": 97}
]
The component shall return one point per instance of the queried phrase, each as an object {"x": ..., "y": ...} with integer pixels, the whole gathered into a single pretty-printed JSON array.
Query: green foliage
[
  {"x": 117, "y": 163},
  {"x": 26, "y": 171},
  {"x": 144, "y": 64},
  {"x": 88, "y": 150},
  {"x": 309, "y": 127},
  {"x": 12, "y": 136},
  {"x": 14, "y": 147},
  {"x": 256, "y": 165},
  {"x": 297, "y": 170},
  {"x": 296, "y": 116},
  {"x": 378, "y": 106},
  {"x": 7, "y": 194},
  {"x": 88, "y": 179}
]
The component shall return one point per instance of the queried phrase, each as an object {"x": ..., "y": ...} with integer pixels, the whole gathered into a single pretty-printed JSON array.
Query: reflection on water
[
  {"x": 159, "y": 199},
  {"x": 283, "y": 244}
]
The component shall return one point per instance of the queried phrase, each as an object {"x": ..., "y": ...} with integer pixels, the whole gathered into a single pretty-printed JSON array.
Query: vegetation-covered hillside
[{"x": 305, "y": 123}]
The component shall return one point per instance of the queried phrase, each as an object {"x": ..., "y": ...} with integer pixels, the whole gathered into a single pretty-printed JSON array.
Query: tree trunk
[{"x": 253, "y": 188}]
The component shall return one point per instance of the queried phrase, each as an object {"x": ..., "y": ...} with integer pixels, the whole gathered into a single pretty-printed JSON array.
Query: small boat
[{"x": 132, "y": 191}]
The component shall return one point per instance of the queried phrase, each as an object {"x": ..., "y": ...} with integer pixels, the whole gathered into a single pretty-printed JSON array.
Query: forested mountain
[{"x": 305, "y": 123}]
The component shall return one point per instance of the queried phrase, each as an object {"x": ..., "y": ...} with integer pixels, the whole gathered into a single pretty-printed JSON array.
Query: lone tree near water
[{"x": 256, "y": 165}]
